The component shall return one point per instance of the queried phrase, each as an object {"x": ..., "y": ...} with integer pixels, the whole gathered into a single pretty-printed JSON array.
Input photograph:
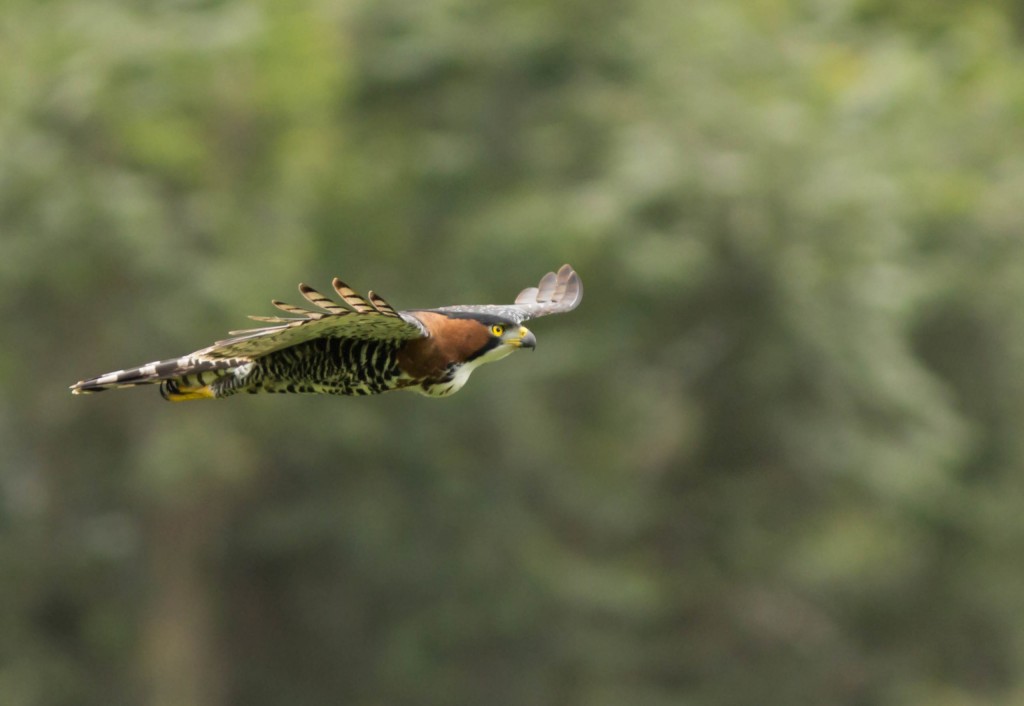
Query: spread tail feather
[{"x": 183, "y": 377}]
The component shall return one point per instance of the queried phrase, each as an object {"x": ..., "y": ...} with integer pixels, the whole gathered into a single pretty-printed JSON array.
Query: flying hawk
[{"x": 363, "y": 348}]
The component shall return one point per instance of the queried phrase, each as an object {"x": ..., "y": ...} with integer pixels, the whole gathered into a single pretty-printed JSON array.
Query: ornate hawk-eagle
[{"x": 364, "y": 348}]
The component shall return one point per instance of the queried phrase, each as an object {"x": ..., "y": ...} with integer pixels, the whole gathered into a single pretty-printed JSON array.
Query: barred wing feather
[{"x": 364, "y": 321}]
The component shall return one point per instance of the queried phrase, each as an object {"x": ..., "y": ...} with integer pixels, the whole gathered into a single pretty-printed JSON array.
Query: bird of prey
[{"x": 363, "y": 348}]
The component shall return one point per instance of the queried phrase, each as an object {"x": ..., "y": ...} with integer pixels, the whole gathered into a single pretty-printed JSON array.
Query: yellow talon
[{"x": 191, "y": 393}]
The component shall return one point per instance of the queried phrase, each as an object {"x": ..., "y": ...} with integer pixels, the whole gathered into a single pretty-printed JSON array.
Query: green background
[{"x": 774, "y": 458}]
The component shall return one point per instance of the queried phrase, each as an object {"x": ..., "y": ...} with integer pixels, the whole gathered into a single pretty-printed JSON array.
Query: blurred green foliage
[{"x": 774, "y": 458}]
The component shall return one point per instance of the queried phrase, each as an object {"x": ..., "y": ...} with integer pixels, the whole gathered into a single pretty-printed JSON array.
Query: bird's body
[{"x": 364, "y": 349}]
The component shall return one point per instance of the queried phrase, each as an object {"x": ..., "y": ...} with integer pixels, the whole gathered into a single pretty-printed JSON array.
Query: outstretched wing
[
  {"x": 360, "y": 319},
  {"x": 556, "y": 293}
]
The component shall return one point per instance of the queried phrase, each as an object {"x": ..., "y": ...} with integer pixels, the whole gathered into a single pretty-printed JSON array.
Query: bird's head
[
  {"x": 503, "y": 337},
  {"x": 463, "y": 340}
]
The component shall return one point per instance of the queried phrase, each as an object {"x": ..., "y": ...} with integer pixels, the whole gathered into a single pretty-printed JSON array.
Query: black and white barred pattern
[{"x": 326, "y": 365}]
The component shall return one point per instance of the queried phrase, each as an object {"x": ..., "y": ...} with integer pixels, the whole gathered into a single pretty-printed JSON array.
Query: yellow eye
[{"x": 497, "y": 329}]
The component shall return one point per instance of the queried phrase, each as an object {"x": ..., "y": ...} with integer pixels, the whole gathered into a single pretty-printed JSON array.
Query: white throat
[{"x": 464, "y": 371}]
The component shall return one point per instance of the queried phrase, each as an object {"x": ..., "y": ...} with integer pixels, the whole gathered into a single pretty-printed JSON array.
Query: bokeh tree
[{"x": 772, "y": 458}]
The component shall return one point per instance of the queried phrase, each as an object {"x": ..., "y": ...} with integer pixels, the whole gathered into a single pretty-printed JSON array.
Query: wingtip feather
[
  {"x": 563, "y": 289},
  {"x": 350, "y": 297}
]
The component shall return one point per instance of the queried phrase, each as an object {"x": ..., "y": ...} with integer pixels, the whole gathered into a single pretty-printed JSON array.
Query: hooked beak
[{"x": 526, "y": 339}]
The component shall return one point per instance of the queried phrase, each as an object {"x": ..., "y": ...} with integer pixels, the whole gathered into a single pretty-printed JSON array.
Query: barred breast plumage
[{"x": 326, "y": 365}]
